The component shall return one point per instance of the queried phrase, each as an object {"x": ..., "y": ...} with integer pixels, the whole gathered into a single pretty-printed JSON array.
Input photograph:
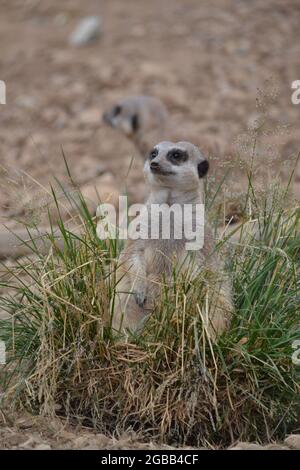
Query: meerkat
[
  {"x": 174, "y": 173},
  {"x": 143, "y": 119}
]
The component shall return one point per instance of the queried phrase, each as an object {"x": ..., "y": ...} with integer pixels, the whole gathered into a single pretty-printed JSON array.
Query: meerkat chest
[
  {"x": 165, "y": 245},
  {"x": 160, "y": 256}
]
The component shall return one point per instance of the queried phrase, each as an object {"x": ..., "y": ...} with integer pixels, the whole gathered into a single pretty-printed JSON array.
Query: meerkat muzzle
[
  {"x": 157, "y": 169},
  {"x": 154, "y": 166}
]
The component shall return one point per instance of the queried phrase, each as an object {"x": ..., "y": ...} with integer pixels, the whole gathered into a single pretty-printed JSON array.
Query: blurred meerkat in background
[{"x": 143, "y": 119}]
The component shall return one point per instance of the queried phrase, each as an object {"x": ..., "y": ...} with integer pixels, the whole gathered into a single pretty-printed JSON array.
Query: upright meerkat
[
  {"x": 174, "y": 173},
  {"x": 143, "y": 119}
]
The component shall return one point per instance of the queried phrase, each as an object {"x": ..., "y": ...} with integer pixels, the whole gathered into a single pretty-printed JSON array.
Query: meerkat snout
[
  {"x": 154, "y": 166},
  {"x": 180, "y": 165}
]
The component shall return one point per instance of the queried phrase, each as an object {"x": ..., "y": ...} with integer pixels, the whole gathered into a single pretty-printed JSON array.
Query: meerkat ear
[
  {"x": 203, "y": 168},
  {"x": 135, "y": 123}
]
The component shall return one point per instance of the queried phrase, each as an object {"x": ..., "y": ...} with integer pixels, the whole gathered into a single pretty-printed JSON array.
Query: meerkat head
[
  {"x": 137, "y": 117},
  {"x": 178, "y": 165}
]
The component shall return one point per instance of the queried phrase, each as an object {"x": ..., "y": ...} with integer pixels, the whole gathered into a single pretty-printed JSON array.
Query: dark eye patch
[
  {"x": 117, "y": 110},
  {"x": 177, "y": 156},
  {"x": 153, "y": 154},
  {"x": 135, "y": 122}
]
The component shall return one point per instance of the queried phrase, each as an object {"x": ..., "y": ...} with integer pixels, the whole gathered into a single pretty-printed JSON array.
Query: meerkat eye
[
  {"x": 117, "y": 110},
  {"x": 153, "y": 154},
  {"x": 177, "y": 156}
]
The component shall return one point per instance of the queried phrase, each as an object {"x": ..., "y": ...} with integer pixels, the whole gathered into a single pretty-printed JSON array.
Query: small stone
[
  {"x": 88, "y": 30},
  {"x": 293, "y": 441}
]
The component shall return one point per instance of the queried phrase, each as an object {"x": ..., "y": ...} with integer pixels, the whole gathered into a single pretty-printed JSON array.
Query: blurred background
[{"x": 218, "y": 65}]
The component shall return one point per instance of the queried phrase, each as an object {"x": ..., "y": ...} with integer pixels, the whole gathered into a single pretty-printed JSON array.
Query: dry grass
[{"x": 170, "y": 383}]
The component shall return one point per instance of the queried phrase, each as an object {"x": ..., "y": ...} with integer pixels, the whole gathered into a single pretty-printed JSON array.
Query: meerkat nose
[{"x": 154, "y": 165}]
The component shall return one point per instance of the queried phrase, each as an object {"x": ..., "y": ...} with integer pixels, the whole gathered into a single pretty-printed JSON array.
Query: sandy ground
[
  {"x": 208, "y": 61},
  {"x": 34, "y": 433}
]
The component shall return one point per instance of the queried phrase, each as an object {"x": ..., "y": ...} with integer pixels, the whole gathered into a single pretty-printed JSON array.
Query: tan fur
[{"x": 144, "y": 264}]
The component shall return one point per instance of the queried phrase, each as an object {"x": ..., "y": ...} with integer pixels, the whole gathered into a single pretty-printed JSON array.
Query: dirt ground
[
  {"x": 34, "y": 433},
  {"x": 207, "y": 60}
]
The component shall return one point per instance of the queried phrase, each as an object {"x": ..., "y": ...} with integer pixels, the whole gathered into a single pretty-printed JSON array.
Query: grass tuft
[{"x": 170, "y": 383}]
